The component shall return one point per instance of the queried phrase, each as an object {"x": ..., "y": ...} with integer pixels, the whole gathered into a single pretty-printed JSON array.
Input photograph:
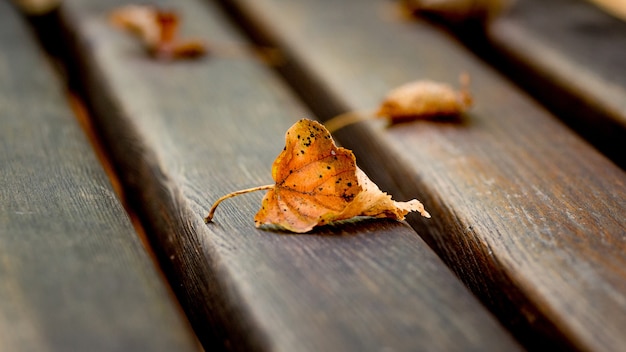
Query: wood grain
[
  {"x": 75, "y": 277},
  {"x": 571, "y": 55},
  {"x": 526, "y": 213},
  {"x": 184, "y": 134}
]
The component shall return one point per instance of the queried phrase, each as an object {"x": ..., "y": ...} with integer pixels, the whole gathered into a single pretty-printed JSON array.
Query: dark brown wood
[
  {"x": 525, "y": 212},
  {"x": 74, "y": 274},
  {"x": 571, "y": 55},
  {"x": 186, "y": 133}
]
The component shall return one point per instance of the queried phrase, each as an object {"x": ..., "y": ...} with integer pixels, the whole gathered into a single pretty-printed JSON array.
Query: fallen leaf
[
  {"x": 158, "y": 30},
  {"x": 138, "y": 19},
  {"x": 169, "y": 45},
  {"x": 425, "y": 99},
  {"x": 417, "y": 100},
  {"x": 317, "y": 183}
]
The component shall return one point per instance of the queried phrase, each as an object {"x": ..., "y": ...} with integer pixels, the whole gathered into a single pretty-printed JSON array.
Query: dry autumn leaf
[
  {"x": 158, "y": 30},
  {"x": 418, "y": 100},
  {"x": 318, "y": 183},
  {"x": 425, "y": 99}
]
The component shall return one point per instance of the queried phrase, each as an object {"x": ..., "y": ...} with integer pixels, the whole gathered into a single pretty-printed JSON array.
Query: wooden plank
[
  {"x": 571, "y": 55},
  {"x": 185, "y": 133},
  {"x": 75, "y": 276},
  {"x": 525, "y": 212}
]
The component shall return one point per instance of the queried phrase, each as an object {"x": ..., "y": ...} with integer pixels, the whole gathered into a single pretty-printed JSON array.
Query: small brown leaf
[
  {"x": 419, "y": 100},
  {"x": 158, "y": 30},
  {"x": 425, "y": 99},
  {"x": 138, "y": 19},
  {"x": 318, "y": 183}
]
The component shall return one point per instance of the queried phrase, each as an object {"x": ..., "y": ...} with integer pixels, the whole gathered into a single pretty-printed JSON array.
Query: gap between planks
[{"x": 83, "y": 116}]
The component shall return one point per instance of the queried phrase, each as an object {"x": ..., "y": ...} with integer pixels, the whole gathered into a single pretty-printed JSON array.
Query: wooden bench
[
  {"x": 74, "y": 274},
  {"x": 186, "y": 133},
  {"x": 526, "y": 214}
]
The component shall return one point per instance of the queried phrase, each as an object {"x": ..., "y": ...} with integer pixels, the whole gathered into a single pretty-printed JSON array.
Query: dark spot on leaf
[
  {"x": 328, "y": 167},
  {"x": 347, "y": 197}
]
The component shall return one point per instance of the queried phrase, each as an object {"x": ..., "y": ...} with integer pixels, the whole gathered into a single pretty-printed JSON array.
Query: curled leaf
[
  {"x": 158, "y": 30},
  {"x": 318, "y": 183},
  {"x": 417, "y": 100},
  {"x": 425, "y": 99},
  {"x": 138, "y": 19}
]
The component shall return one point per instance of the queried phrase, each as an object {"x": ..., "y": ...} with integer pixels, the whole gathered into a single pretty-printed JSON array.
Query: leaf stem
[
  {"x": 348, "y": 118},
  {"x": 209, "y": 217}
]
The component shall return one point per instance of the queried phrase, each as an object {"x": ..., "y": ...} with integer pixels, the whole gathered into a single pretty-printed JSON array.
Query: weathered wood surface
[
  {"x": 74, "y": 276},
  {"x": 528, "y": 215},
  {"x": 572, "y": 55},
  {"x": 184, "y": 133}
]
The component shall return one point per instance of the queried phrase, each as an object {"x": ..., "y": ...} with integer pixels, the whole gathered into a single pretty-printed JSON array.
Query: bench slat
[
  {"x": 526, "y": 213},
  {"x": 184, "y": 133},
  {"x": 572, "y": 55},
  {"x": 74, "y": 274}
]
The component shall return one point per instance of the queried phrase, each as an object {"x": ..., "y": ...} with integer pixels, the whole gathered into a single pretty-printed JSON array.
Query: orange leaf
[
  {"x": 140, "y": 20},
  {"x": 418, "y": 100},
  {"x": 318, "y": 182},
  {"x": 158, "y": 30},
  {"x": 425, "y": 99}
]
